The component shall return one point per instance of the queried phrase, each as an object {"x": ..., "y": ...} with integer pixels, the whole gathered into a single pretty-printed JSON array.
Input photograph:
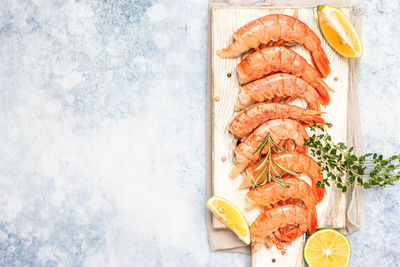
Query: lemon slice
[
  {"x": 339, "y": 32},
  {"x": 327, "y": 248},
  {"x": 231, "y": 216}
]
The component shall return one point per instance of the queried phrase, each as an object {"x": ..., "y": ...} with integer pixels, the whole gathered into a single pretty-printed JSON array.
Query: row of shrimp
[{"x": 270, "y": 77}]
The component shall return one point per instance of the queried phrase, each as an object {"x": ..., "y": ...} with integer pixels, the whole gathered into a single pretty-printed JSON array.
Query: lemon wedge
[
  {"x": 231, "y": 216},
  {"x": 339, "y": 32},
  {"x": 327, "y": 248}
]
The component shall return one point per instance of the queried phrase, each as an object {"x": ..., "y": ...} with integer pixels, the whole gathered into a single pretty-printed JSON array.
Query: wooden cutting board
[{"x": 225, "y": 88}]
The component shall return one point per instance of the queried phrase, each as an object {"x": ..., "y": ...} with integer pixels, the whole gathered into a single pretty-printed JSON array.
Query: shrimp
[
  {"x": 296, "y": 162},
  {"x": 293, "y": 220},
  {"x": 272, "y": 194},
  {"x": 275, "y": 88},
  {"x": 280, "y": 130},
  {"x": 280, "y": 59},
  {"x": 248, "y": 119},
  {"x": 277, "y": 30}
]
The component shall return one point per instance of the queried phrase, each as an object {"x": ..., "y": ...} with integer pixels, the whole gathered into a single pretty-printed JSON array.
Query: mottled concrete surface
[{"x": 102, "y": 140}]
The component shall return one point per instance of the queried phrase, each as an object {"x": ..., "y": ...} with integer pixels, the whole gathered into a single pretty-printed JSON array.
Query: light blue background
[{"x": 102, "y": 134}]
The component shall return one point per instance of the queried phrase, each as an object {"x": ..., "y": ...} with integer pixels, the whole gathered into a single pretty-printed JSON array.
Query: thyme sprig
[
  {"x": 337, "y": 160},
  {"x": 267, "y": 165}
]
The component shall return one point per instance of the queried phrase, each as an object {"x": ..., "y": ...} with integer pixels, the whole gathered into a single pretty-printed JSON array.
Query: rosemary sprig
[
  {"x": 337, "y": 160},
  {"x": 267, "y": 165}
]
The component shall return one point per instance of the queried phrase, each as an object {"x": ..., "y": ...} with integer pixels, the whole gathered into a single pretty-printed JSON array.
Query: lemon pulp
[
  {"x": 327, "y": 248},
  {"x": 339, "y": 32},
  {"x": 231, "y": 216}
]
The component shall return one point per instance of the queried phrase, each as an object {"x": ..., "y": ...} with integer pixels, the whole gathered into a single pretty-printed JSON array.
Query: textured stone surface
[{"x": 102, "y": 140}]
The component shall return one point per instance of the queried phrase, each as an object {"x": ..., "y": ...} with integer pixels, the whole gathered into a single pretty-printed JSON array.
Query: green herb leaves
[
  {"x": 337, "y": 160},
  {"x": 269, "y": 164}
]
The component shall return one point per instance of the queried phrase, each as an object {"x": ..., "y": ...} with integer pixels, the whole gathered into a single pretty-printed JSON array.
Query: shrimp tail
[
  {"x": 237, "y": 107},
  {"x": 238, "y": 169},
  {"x": 250, "y": 204},
  {"x": 238, "y": 47},
  {"x": 322, "y": 89},
  {"x": 320, "y": 194},
  {"x": 235, "y": 172},
  {"x": 240, "y": 165},
  {"x": 314, "y": 221},
  {"x": 321, "y": 62},
  {"x": 314, "y": 116},
  {"x": 246, "y": 181}
]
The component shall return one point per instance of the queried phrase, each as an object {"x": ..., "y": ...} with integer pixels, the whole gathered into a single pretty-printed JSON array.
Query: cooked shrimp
[
  {"x": 280, "y": 130},
  {"x": 272, "y": 194},
  {"x": 280, "y": 59},
  {"x": 292, "y": 219},
  {"x": 295, "y": 162},
  {"x": 248, "y": 119},
  {"x": 277, "y": 29},
  {"x": 277, "y": 87}
]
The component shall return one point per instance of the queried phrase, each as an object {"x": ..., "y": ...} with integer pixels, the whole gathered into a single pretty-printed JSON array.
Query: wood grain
[
  {"x": 224, "y": 21},
  {"x": 272, "y": 256}
]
